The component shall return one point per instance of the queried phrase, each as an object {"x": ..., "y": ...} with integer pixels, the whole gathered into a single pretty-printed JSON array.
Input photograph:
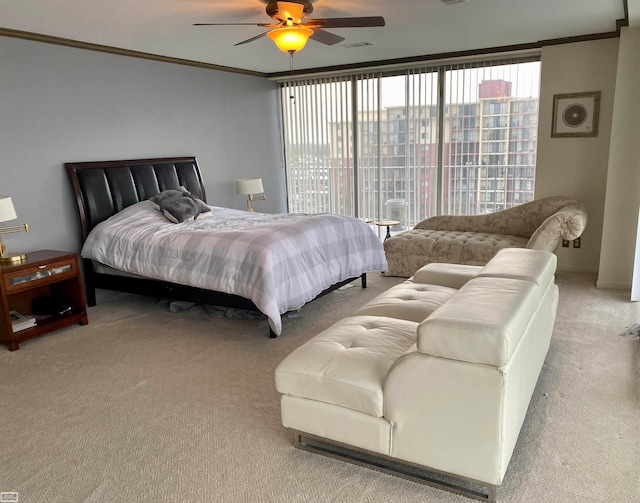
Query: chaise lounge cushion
[{"x": 414, "y": 248}]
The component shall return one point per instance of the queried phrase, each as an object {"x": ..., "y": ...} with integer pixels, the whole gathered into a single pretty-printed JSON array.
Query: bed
[{"x": 256, "y": 261}]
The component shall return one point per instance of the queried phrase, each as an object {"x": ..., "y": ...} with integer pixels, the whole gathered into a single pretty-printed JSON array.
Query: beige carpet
[{"x": 146, "y": 405}]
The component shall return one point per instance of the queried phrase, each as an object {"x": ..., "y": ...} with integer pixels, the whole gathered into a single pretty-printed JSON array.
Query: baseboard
[
  {"x": 572, "y": 268},
  {"x": 608, "y": 285},
  {"x": 605, "y": 285}
]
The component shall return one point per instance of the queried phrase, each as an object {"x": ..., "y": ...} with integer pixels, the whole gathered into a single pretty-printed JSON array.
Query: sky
[{"x": 462, "y": 85}]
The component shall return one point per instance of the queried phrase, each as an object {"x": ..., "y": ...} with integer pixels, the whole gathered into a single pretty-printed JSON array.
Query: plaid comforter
[{"x": 279, "y": 261}]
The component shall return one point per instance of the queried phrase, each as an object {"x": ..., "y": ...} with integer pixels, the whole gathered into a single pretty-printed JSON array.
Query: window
[{"x": 489, "y": 119}]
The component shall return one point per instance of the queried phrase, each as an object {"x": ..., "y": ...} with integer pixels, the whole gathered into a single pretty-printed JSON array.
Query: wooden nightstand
[{"x": 45, "y": 275}]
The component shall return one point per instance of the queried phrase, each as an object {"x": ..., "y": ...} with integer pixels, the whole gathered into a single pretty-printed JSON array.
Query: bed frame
[{"x": 104, "y": 188}]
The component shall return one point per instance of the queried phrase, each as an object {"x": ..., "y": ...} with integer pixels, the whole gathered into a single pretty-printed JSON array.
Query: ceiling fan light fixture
[{"x": 290, "y": 38}]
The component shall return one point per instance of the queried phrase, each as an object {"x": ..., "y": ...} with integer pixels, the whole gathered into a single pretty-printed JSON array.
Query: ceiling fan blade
[
  {"x": 264, "y": 25},
  {"x": 251, "y": 39},
  {"x": 325, "y": 37},
  {"x": 345, "y": 22}
]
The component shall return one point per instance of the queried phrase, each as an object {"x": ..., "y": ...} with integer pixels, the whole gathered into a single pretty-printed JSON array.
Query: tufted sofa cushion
[
  {"x": 408, "y": 301},
  {"x": 347, "y": 364}
]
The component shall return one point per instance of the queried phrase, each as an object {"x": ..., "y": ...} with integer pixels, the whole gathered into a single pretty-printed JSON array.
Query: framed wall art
[{"x": 575, "y": 115}]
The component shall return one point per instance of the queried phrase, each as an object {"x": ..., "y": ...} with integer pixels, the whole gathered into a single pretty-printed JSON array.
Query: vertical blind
[
  {"x": 491, "y": 117},
  {"x": 318, "y": 146},
  {"x": 454, "y": 138}
]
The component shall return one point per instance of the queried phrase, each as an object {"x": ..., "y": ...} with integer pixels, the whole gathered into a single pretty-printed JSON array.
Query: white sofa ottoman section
[
  {"x": 342, "y": 425},
  {"x": 346, "y": 365},
  {"x": 332, "y": 384}
]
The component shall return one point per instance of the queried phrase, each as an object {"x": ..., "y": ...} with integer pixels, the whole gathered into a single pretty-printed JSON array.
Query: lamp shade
[
  {"x": 249, "y": 186},
  {"x": 290, "y": 38},
  {"x": 7, "y": 211}
]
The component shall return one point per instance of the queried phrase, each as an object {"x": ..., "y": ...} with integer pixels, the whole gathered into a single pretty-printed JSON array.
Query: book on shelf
[{"x": 20, "y": 321}]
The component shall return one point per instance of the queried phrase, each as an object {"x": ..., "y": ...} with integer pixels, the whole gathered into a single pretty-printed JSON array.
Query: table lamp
[
  {"x": 8, "y": 212},
  {"x": 250, "y": 186}
]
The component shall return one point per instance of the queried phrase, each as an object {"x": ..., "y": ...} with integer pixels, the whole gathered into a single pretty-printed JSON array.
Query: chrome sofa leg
[{"x": 390, "y": 466}]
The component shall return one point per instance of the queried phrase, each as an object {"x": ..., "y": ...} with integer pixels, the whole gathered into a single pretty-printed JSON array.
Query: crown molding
[{"x": 67, "y": 42}]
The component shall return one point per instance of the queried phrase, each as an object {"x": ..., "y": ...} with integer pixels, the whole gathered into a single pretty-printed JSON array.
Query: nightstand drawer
[{"x": 39, "y": 274}]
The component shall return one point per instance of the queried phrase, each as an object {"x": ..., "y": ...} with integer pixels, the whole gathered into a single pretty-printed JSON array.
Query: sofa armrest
[
  {"x": 447, "y": 415},
  {"x": 567, "y": 223}
]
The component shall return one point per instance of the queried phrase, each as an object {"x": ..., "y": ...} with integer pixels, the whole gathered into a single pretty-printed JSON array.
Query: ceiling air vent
[
  {"x": 451, "y": 2},
  {"x": 355, "y": 44}
]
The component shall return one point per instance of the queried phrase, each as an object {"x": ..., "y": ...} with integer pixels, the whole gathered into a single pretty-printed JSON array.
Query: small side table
[
  {"x": 44, "y": 273},
  {"x": 388, "y": 224}
]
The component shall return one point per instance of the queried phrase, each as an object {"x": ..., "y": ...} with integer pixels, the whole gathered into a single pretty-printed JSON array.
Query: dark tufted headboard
[{"x": 104, "y": 188}]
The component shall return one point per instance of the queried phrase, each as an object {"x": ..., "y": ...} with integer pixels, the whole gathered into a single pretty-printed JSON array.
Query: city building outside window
[{"x": 477, "y": 157}]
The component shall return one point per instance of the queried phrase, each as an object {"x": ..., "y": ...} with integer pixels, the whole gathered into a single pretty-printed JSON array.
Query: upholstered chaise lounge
[
  {"x": 541, "y": 224},
  {"x": 435, "y": 373}
]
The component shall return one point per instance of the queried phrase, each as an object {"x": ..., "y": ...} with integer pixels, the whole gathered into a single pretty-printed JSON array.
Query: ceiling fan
[{"x": 290, "y": 30}]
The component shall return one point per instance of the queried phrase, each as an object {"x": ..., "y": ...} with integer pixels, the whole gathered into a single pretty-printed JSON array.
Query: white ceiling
[{"x": 413, "y": 27}]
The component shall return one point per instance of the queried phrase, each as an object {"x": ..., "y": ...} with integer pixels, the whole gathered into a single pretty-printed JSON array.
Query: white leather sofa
[{"x": 435, "y": 373}]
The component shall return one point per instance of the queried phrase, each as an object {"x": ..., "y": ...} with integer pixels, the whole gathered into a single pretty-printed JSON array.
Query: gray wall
[
  {"x": 59, "y": 104},
  {"x": 619, "y": 243},
  {"x": 603, "y": 172},
  {"x": 577, "y": 167}
]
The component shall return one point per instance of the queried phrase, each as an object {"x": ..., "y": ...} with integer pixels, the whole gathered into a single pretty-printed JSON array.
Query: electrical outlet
[
  {"x": 565, "y": 243},
  {"x": 576, "y": 243}
]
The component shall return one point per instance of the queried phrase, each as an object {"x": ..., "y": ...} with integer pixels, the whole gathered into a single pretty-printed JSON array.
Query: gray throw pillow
[
  {"x": 179, "y": 205},
  {"x": 179, "y": 208},
  {"x": 164, "y": 195}
]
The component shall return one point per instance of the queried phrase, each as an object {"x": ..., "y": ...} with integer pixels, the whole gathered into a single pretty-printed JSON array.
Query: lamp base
[
  {"x": 13, "y": 258},
  {"x": 254, "y": 198},
  {"x": 4, "y": 257}
]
